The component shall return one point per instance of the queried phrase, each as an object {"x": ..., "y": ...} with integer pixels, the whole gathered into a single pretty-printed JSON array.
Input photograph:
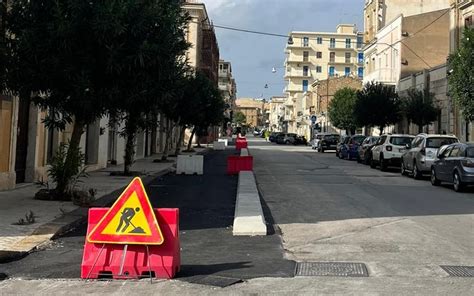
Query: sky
[{"x": 254, "y": 56}]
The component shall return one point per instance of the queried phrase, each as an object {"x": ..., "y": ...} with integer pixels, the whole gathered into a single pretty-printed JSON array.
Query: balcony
[
  {"x": 297, "y": 61},
  {"x": 339, "y": 62},
  {"x": 298, "y": 74},
  {"x": 384, "y": 75}
]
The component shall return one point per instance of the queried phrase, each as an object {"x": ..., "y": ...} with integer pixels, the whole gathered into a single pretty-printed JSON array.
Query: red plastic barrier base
[
  {"x": 235, "y": 164},
  {"x": 163, "y": 260},
  {"x": 241, "y": 143}
]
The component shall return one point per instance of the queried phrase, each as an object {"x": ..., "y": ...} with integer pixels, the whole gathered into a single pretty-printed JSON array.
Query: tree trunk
[
  {"x": 381, "y": 130},
  {"x": 77, "y": 130},
  {"x": 131, "y": 131},
  {"x": 180, "y": 140},
  {"x": 420, "y": 128},
  {"x": 190, "y": 143},
  {"x": 167, "y": 140}
]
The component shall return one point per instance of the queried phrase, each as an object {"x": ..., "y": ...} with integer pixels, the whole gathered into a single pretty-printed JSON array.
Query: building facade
[
  {"x": 314, "y": 56},
  {"x": 227, "y": 86},
  {"x": 253, "y": 110},
  {"x": 402, "y": 47},
  {"x": 277, "y": 111}
]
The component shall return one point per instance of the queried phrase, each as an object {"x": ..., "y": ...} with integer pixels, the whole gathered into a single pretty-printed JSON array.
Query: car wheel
[
  {"x": 383, "y": 163},
  {"x": 416, "y": 172},
  {"x": 321, "y": 150},
  {"x": 457, "y": 183},
  {"x": 402, "y": 169},
  {"x": 337, "y": 154},
  {"x": 373, "y": 164},
  {"x": 434, "y": 180}
]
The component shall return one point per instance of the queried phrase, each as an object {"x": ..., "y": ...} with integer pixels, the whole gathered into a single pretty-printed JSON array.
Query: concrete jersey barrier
[{"x": 248, "y": 217}]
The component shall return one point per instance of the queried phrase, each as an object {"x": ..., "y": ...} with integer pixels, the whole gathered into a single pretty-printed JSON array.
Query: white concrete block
[
  {"x": 219, "y": 145},
  {"x": 190, "y": 164},
  {"x": 244, "y": 152},
  {"x": 225, "y": 141},
  {"x": 248, "y": 217}
]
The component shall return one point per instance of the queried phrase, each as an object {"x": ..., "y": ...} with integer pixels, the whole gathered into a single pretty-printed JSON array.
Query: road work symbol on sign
[{"x": 130, "y": 220}]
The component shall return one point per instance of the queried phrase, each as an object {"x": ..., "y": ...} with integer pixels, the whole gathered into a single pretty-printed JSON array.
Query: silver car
[
  {"x": 455, "y": 164},
  {"x": 421, "y": 153}
]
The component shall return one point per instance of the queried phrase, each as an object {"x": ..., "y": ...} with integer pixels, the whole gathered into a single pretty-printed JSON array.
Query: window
[
  {"x": 319, "y": 40},
  {"x": 470, "y": 152},
  {"x": 305, "y": 56},
  {"x": 360, "y": 57},
  {"x": 347, "y": 71},
  {"x": 348, "y": 42},
  {"x": 305, "y": 41},
  {"x": 438, "y": 142},
  {"x": 305, "y": 85},
  {"x": 360, "y": 41},
  {"x": 400, "y": 141},
  {"x": 348, "y": 57},
  {"x": 305, "y": 70},
  {"x": 226, "y": 66},
  {"x": 319, "y": 69},
  {"x": 332, "y": 42},
  {"x": 468, "y": 22},
  {"x": 331, "y": 71},
  {"x": 360, "y": 72},
  {"x": 332, "y": 57},
  {"x": 319, "y": 55}
]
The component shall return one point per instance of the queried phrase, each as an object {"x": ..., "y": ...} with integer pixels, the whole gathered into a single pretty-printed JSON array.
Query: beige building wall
[
  {"x": 401, "y": 49},
  {"x": 379, "y": 13}
]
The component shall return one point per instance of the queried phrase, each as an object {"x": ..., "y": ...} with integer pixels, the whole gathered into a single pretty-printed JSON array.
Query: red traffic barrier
[
  {"x": 119, "y": 261},
  {"x": 235, "y": 164},
  {"x": 239, "y": 144}
]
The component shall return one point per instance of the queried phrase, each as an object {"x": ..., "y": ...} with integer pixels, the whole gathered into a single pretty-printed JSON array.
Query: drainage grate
[
  {"x": 331, "y": 269},
  {"x": 459, "y": 271}
]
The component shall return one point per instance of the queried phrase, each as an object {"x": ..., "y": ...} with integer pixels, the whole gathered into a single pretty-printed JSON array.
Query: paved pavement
[
  {"x": 52, "y": 216},
  {"x": 327, "y": 210}
]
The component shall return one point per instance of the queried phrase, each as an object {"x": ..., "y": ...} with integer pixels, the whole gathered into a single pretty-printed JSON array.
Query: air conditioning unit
[
  {"x": 405, "y": 34},
  {"x": 404, "y": 62}
]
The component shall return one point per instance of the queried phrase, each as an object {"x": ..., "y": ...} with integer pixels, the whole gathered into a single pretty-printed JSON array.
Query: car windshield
[
  {"x": 470, "y": 152},
  {"x": 358, "y": 139},
  {"x": 400, "y": 141},
  {"x": 331, "y": 137},
  {"x": 438, "y": 142}
]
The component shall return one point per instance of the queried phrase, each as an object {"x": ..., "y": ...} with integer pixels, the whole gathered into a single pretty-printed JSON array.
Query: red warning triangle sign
[{"x": 130, "y": 220}]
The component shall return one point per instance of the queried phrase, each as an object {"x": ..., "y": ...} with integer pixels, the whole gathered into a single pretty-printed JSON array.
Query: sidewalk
[{"x": 55, "y": 217}]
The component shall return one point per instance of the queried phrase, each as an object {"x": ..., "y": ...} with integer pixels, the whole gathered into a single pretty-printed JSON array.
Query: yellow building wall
[{"x": 6, "y": 114}]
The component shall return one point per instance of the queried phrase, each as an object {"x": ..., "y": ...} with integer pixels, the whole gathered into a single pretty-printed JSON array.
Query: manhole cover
[
  {"x": 459, "y": 271},
  {"x": 331, "y": 269}
]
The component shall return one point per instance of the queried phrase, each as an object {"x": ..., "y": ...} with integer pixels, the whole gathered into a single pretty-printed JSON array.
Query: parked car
[
  {"x": 300, "y": 140},
  {"x": 421, "y": 153},
  {"x": 289, "y": 138},
  {"x": 257, "y": 133},
  {"x": 339, "y": 145},
  {"x": 388, "y": 150},
  {"x": 273, "y": 136},
  {"x": 365, "y": 149},
  {"x": 350, "y": 148},
  {"x": 315, "y": 141},
  {"x": 454, "y": 164},
  {"x": 328, "y": 142}
]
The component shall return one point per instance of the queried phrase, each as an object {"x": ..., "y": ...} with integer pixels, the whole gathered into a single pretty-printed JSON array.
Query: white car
[{"x": 388, "y": 150}]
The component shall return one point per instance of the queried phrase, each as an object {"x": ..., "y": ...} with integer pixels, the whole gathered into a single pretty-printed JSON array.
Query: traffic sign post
[{"x": 131, "y": 239}]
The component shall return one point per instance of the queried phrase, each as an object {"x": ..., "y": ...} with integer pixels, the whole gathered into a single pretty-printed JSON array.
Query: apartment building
[
  {"x": 277, "y": 111},
  {"x": 227, "y": 86},
  {"x": 312, "y": 56},
  {"x": 407, "y": 45},
  {"x": 252, "y": 109}
]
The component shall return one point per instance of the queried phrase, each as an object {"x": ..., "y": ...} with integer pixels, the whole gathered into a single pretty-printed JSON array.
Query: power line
[
  {"x": 415, "y": 54},
  {"x": 428, "y": 25},
  {"x": 250, "y": 31}
]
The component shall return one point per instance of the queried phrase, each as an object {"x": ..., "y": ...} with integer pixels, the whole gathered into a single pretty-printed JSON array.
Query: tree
[
  {"x": 55, "y": 51},
  {"x": 239, "y": 118},
  {"x": 341, "y": 109},
  {"x": 146, "y": 42},
  {"x": 377, "y": 105},
  {"x": 461, "y": 76},
  {"x": 210, "y": 107},
  {"x": 419, "y": 108}
]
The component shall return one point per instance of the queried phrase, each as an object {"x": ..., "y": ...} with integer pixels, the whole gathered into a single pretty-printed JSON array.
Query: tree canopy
[
  {"x": 341, "y": 109},
  {"x": 377, "y": 105},
  {"x": 419, "y": 108},
  {"x": 461, "y": 74},
  {"x": 239, "y": 118}
]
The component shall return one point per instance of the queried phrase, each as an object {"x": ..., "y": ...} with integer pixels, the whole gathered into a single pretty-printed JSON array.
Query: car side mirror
[{"x": 408, "y": 146}]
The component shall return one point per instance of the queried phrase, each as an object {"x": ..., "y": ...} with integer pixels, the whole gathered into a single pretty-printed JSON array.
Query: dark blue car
[{"x": 350, "y": 149}]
